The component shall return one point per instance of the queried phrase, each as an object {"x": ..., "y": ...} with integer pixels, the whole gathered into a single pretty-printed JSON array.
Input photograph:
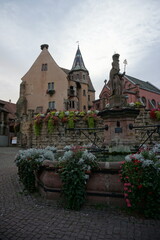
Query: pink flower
[
  {"x": 127, "y": 184},
  {"x": 126, "y": 194},
  {"x": 125, "y": 188},
  {"x": 129, "y": 205}
]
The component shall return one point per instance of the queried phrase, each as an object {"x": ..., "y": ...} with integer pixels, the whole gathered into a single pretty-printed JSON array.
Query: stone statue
[{"x": 116, "y": 78}]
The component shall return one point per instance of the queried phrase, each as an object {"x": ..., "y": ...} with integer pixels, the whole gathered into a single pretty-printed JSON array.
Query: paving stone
[{"x": 32, "y": 217}]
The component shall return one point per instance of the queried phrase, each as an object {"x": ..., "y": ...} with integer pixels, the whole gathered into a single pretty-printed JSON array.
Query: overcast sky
[{"x": 102, "y": 27}]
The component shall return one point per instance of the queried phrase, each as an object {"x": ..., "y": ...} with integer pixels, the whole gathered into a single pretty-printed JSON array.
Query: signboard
[
  {"x": 118, "y": 130},
  {"x": 14, "y": 140}
]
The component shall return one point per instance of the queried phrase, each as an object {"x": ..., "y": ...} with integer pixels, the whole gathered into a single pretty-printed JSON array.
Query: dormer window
[{"x": 44, "y": 67}]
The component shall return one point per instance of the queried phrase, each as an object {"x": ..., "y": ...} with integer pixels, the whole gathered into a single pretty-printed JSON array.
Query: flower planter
[{"x": 103, "y": 185}]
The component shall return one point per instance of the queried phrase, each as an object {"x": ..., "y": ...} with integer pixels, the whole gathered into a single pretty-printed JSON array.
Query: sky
[{"x": 102, "y": 28}]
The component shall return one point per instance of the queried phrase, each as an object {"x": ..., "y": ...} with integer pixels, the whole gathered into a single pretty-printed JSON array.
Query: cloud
[{"x": 131, "y": 28}]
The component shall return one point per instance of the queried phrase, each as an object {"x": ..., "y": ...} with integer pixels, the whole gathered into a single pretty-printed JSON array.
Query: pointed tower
[{"x": 81, "y": 93}]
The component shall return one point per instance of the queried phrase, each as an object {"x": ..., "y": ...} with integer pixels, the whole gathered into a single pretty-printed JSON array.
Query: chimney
[{"x": 44, "y": 46}]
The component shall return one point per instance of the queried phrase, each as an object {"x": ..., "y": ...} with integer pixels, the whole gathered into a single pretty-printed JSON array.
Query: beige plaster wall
[{"x": 37, "y": 83}]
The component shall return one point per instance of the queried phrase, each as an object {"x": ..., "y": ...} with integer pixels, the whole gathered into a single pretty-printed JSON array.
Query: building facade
[
  {"x": 135, "y": 90},
  {"x": 7, "y": 120},
  {"x": 46, "y": 86}
]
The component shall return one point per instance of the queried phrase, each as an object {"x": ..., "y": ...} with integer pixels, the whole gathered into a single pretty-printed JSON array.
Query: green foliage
[
  {"x": 26, "y": 174},
  {"x": 53, "y": 118},
  {"x": 38, "y": 121},
  {"x": 73, "y": 174},
  {"x": 73, "y": 190},
  {"x": 158, "y": 115},
  {"x": 28, "y": 162},
  {"x": 141, "y": 178}
]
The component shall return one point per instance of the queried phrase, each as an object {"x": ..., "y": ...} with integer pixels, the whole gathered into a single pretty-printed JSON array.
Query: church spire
[{"x": 78, "y": 63}]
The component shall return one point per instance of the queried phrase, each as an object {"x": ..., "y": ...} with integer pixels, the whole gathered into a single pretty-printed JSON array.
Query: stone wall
[
  {"x": 62, "y": 137},
  {"x": 141, "y": 134}
]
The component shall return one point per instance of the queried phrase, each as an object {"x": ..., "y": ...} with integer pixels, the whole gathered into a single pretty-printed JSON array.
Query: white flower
[
  {"x": 53, "y": 149},
  {"x": 66, "y": 113},
  {"x": 68, "y": 147},
  {"x": 131, "y": 104},
  {"x": 67, "y": 155},
  {"x": 147, "y": 162},
  {"x": 49, "y": 155},
  {"x": 57, "y": 113},
  {"x": 128, "y": 158},
  {"x": 81, "y": 161},
  {"x": 96, "y": 111}
]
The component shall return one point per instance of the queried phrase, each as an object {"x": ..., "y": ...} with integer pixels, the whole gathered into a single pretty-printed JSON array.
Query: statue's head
[{"x": 115, "y": 57}]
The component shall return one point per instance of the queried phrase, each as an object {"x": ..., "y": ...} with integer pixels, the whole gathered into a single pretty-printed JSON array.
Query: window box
[{"x": 50, "y": 92}]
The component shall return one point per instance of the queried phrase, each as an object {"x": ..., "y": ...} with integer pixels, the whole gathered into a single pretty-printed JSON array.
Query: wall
[
  {"x": 103, "y": 186},
  {"x": 62, "y": 137}
]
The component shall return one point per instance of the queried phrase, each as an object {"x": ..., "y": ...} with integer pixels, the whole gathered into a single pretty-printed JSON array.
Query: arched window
[
  {"x": 153, "y": 103},
  {"x": 144, "y": 100}
]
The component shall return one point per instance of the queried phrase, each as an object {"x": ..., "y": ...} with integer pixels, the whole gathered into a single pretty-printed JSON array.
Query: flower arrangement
[
  {"x": 140, "y": 174},
  {"x": 76, "y": 166},
  {"x": 135, "y": 104},
  {"x": 155, "y": 114},
  {"x": 30, "y": 160},
  {"x": 91, "y": 118},
  {"x": 53, "y": 118},
  {"x": 38, "y": 121}
]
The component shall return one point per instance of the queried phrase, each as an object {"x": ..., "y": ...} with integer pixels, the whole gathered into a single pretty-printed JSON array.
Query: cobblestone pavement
[{"x": 31, "y": 217}]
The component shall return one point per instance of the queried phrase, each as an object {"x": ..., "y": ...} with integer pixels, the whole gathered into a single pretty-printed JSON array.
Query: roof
[
  {"x": 90, "y": 86},
  {"x": 78, "y": 63},
  {"x": 65, "y": 70},
  {"x": 143, "y": 85},
  {"x": 10, "y": 108}
]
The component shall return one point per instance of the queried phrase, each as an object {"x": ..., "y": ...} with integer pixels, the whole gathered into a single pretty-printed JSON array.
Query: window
[
  {"x": 51, "y": 86},
  {"x": 51, "y": 105},
  {"x": 84, "y": 107},
  {"x": 144, "y": 100},
  {"x": 77, "y": 76},
  {"x": 89, "y": 98},
  {"x": 84, "y": 77},
  {"x": 84, "y": 92},
  {"x": 72, "y": 104},
  {"x": 153, "y": 103},
  {"x": 44, "y": 67},
  {"x": 39, "y": 109}
]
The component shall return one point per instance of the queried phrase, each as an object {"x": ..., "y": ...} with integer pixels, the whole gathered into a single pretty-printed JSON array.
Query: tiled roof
[
  {"x": 90, "y": 86},
  {"x": 10, "y": 108},
  {"x": 143, "y": 85},
  {"x": 78, "y": 63}
]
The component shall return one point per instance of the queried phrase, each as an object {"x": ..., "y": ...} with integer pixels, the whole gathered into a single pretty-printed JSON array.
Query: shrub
[
  {"x": 140, "y": 175},
  {"x": 29, "y": 161},
  {"x": 74, "y": 174}
]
